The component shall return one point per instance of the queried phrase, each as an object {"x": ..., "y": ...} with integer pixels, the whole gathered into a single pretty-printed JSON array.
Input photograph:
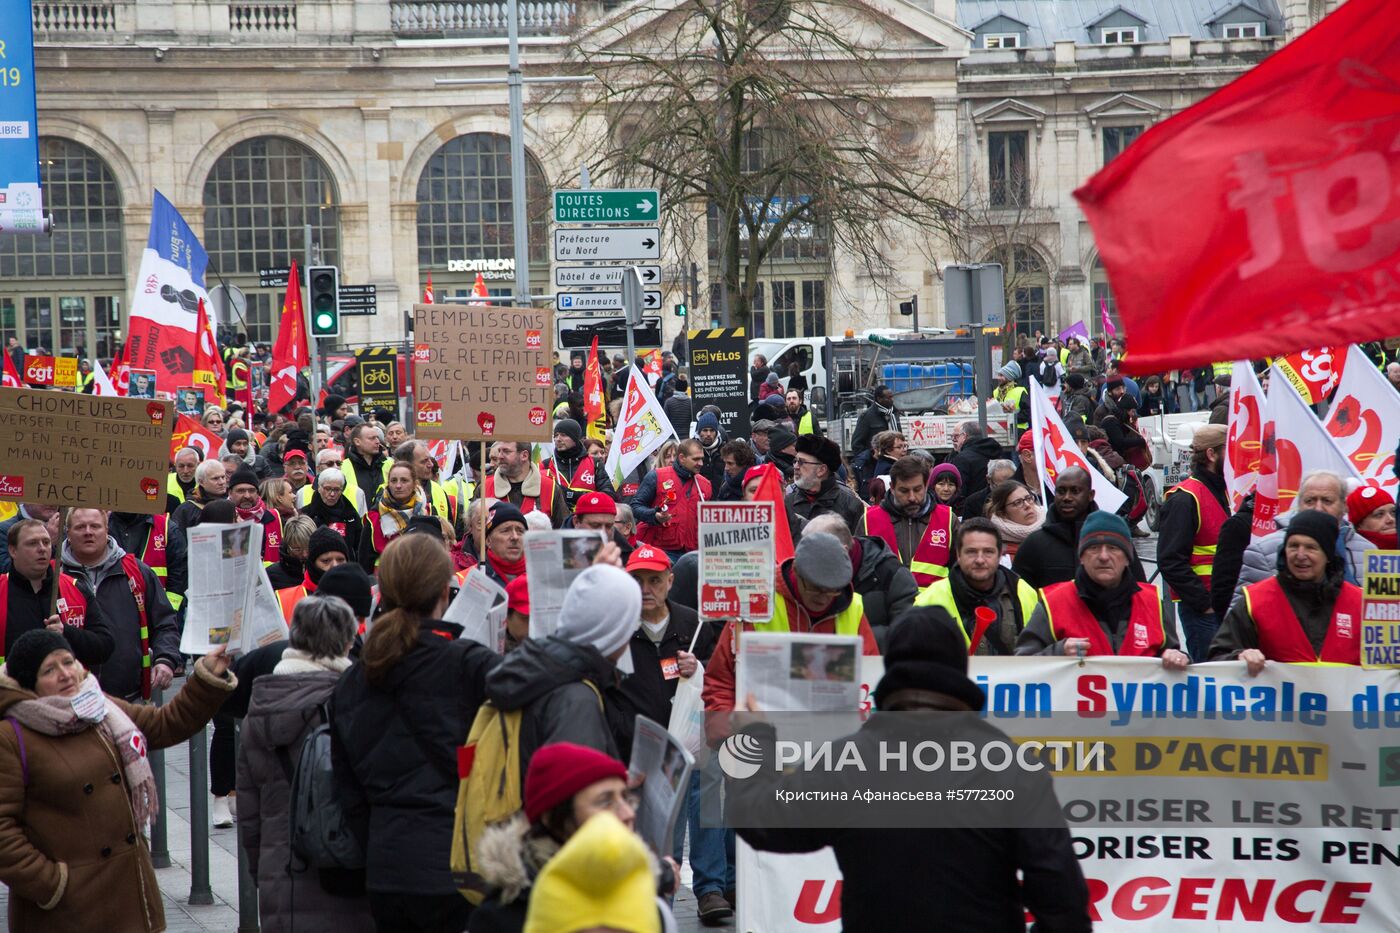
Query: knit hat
[
  {"x": 601, "y": 609},
  {"x": 1115, "y": 383},
  {"x": 1364, "y": 500},
  {"x": 1223, "y": 380},
  {"x": 595, "y": 503},
  {"x": 557, "y": 772},
  {"x": 775, "y": 402},
  {"x": 243, "y": 476},
  {"x": 1209, "y": 437},
  {"x": 1105, "y": 528},
  {"x": 501, "y": 513},
  {"x": 333, "y": 404},
  {"x": 518, "y": 595},
  {"x": 821, "y": 448},
  {"x": 323, "y": 540},
  {"x": 822, "y": 560},
  {"x": 570, "y": 429},
  {"x": 1075, "y": 382},
  {"x": 1027, "y": 441},
  {"x": 600, "y": 880},
  {"x": 28, "y": 654},
  {"x": 646, "y": 557},
  {"x": 424, "y": 525},
  {"x": 773, "y": 379},
  {"x": 350, "y": 582},
  {"x": 945, "y": 469},
  {"x": 1011, "y": 371},
  {"x": 707, "y": 420},
  {"x": 925, "y": 650},
  {"x": 234, "y": 436},
  {"x": 753, "y": 472},
  {"x": 780, "y": 439},
  {"x": 1320, "y": 526}
]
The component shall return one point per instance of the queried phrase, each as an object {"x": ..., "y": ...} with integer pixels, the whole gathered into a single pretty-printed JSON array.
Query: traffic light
[
  {"x": 323, "y": 298},
  {"x": 682, "y": 310}
]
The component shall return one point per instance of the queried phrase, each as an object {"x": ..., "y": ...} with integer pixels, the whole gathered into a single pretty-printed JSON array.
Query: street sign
[
  {"x": 359, "y": 299},
  {"x": 607, "y": 244},
  {"x": 603, "y": 301},
  {"x": 606, "y": 206},
  {"x": 634, "y": 300},
  {"x": 598, "y": 276},
  {"x": 378, "y": 371},
  {"x": 274, "y": 276},
  {"x": 576, "y": 333}
]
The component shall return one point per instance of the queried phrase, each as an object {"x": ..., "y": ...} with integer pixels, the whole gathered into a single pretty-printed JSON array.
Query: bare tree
[{"x": 774, "y": 122}]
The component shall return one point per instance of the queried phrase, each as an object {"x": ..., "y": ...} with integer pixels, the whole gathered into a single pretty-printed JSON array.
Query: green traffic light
[{"x": 681, "y": 310}]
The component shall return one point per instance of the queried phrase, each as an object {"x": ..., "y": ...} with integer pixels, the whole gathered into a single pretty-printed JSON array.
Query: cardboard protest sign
[
  {"x": 736, "y": 560},
  {"x": 483, "y": 372},
  {"x": 1380, "y": 615},
  {"x": 719, "y": 375},
  {"x": 67, "y": 449}
]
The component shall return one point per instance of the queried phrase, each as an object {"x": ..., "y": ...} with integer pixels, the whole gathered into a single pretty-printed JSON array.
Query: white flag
[
  {"x": 642, "y": 428},
  {"x": 101, "y": 385},
  {"x": 1056, "y": 451},
  {"x": 1364, "y": 420},
  {"x": 1246, "y": 439}
]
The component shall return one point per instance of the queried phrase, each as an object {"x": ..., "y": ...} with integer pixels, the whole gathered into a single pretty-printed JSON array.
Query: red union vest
[
  {"x": 934, "y": 550},
  {"x": 585, "y": 478},
  {"x": 682, "y": 500},
  {"x": 1281, "y": 635},
  {"x": 545, "y": 501},
  {"x": 272, "y": 536},
  {"x": 288, "y": 597},
  {"x": 72, "y": 607},
  {"x": 1209, "y": 517},
  {"x": 1070, "y": 618}
]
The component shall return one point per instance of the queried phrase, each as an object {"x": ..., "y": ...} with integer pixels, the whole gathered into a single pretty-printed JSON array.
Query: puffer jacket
[
  {"x": 285, "y": 708},
  {"x": 1261, "y": 557},
  {"x": 70, "y": 850}
]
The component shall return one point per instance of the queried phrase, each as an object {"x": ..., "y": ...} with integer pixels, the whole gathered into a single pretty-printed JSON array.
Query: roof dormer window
[
  {"x": 1119, "y": 35},
  {"x": 1242, "y": 30}
]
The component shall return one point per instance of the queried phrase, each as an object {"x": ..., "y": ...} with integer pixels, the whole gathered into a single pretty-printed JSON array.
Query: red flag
[
  {"x": 289, "y": 354},
  {"x": 1245, "y": 441},
  {"x": 190, "y": 433},
  {"x": 479, "y": 290},
  {"x": 121, "y": 372},
  {"x": 10, "y": 378},
  {"x": 208, "y": 370},
  {"x": 1314, "y": 373},
  {"x": 428, "y": 290},
  {"x": 770, "y": 489},
  {"x": 1266, "y": 218},
  {"x": 593, "y": 406}
]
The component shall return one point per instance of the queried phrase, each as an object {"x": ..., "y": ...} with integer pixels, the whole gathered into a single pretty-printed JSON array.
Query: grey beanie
[
  {"x": 601, "y": 609},
  {"x": 823, "y": 561}
]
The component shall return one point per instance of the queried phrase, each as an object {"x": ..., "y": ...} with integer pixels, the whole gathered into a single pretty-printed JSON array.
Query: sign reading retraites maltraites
[
  {"x": 736, "y": 560},
  {"x": 719, "y": 376},
  {"x": 67, "y": 449},
  {"x": 1380, "y": 615},
  {"x": 483, "y": 372}
]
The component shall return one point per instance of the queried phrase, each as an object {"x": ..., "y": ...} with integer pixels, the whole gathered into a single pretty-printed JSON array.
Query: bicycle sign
[{"x": 378, "y": 370}]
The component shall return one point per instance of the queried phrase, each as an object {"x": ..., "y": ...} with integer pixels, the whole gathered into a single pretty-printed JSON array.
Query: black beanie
[
  {"x": 1320, "y": 526},
  {"x": 28, "y": 654},
  {"x": 501, "y": 513},
  {"x": 1075, "y": 382},
  {"x": 243, "y": 476},
  {"x": 333, "y": 403},
  {"x": 351, "y": 583},
  {"x": 570, "y": 429},
  {"x": 234, "y": 436},
  {"x": 323, "y": 540},
  {"x": 925, "y": 651}
]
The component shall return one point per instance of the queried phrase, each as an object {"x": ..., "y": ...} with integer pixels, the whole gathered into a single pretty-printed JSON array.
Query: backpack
[
  {"x": 1048, "y": 375},
  {"x": 319, "y": 830},
  {"x": 489, "y": 789}
]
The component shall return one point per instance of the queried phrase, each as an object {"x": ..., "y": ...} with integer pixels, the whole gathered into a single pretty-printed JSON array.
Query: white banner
[
  {"x": 1245, "y": 445},
  {"x": 642, "y": 428},
  {"x": 1364, "y": 420},
  {"x": 1056, "y": 451},
  {"x": 1273, "y": 874}
]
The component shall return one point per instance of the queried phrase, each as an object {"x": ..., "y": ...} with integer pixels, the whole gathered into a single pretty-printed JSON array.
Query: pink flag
[
  {"x": 1109, "y": 330},
  {"x": 1364, "y": 420}
]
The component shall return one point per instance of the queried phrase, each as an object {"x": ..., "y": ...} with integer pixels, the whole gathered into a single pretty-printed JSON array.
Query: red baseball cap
[
  {"x": 596, "y": 503},
  {"x": 296, "y": 450},
  {"x": 1027, "y": 442},
  {"x": 518, "y": 595},
  {"x": 647, "y": 557}
]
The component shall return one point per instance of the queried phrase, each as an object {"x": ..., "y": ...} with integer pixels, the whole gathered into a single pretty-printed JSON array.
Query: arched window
[
  {"x": 63, "y": 292},
  {"x": 1101, "y": 294},
  {"x": 258, "y": 199},
  {"x": 465, "y": 219},
  {"x": 1027, "y": 284}
]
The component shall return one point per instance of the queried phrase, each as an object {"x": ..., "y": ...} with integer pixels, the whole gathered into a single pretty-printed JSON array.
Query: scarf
[
  {"x": 394, "y": 515},
  {"x": 308, "y": 583},
  {"x": 296, "y": 661},
  {"x": 1386, "y": 542},
  {"x": 1112, "y": 605},
  {"x": 59, "y": 716},
  {"x": 1013, "y": 533},
  {"x": 508, "y": 570},
  {"x": 255, "y": 514}
]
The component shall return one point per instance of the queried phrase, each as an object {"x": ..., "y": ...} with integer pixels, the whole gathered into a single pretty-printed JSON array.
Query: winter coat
[
  {"x": 284, "y": 710},
  {"x": 830, "y": 497},
  {"x": 972, "y": 461},
  {"x": 120, "y": 674},
  {"x": 1077, "y": 405},
  {"x": 680, "y": 412},
  {"x": 1261, "y": 557},
  {"x": 652, "y": 686},
  {"x": 70, "y": 850},
  {"x": 1080, "y": 361},
  {"x": 871, "y": 422},
  {"x": 885, "y": 585},
  {"x": 1051, "y": 555},
  {"x": 1220, "y": 409},
  {"x": 288, "y": 571},
  {"x": 369, "y": 476},
  {"x": 1312, "y": 603},
  {"x": 394, "y": 747},
  {"x": 343, "y": 515},
  {"x": 545, "y": 678}
]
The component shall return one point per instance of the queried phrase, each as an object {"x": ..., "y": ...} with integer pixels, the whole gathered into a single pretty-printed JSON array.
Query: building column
[{"x": 377, "y": 232}]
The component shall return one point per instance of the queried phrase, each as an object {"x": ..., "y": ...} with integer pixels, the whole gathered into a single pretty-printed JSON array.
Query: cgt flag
[
  {"x": 190, "y": 433},
  {"x": 208, "y": 371},
  {"x": 1313, "y": 373},
  {"x": 169, "y": 290},
  {"x": 593, "y": 406},
  {"x": 1245, "y": 441},
  {"x": 1056, "y": 451},
  {"x": 9, "y": 378},
  {"x": 1364, "y": 420},
  {"x": 1266, "y": 218},
  {"x": 290, "y": 354},
  {"x": 641, "y": 429}
]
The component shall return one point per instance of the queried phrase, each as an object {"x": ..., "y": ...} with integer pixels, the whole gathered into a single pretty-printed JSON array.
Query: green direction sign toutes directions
[{"x": 606, "y": 205}]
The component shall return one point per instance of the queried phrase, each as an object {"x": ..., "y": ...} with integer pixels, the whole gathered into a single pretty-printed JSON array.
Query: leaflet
[
  {"x": 806, "y": 672},
  {"x": 552, "y": 560},
  {"x": 230, "y": 601},
  {"x": 663, "y": 765},
  {"x": 480, "y": 608}
]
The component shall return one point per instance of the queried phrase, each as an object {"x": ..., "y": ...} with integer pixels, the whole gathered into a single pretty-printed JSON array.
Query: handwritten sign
[{"x": 476, "y": 369}]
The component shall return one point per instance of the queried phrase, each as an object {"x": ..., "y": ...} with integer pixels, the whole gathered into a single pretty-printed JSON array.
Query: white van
[{"x": 807, "y": 351}]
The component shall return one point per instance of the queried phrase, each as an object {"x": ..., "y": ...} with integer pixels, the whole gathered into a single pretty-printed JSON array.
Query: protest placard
[
  {"x": 483, "y": 373},
  {"x": 67, "y": 449},
  {"x": 552, "y": 560},
  {"x": 719, "y": 376},
  {"x": 65, "y": 371},
  {"x": 1380, "y": 613},
  {"x": 736, "y": 560}
]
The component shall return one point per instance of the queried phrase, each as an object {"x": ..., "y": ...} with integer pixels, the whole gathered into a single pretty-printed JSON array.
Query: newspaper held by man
[
  {"x": 552, "y": 560},
  {"x": 663, "y": 765},
  {"x": 813, "y": 673},
  {"x": 736, "y": 560},
  {"x": 480, "y": 608},
  {"x": 230, "y": 601}
]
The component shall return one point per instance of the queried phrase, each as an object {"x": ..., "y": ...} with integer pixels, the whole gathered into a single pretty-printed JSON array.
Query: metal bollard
[
  {"x": 160, "y": 828},
  {"x": 247, "y": 884},
  {"x": 200, "y": 891}
]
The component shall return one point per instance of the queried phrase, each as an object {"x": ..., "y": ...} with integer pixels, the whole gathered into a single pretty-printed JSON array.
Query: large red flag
[
  {"x": 10, "y": 378},
  {"x": 1266, "y": 218},
  {"x": 208, "y": 370},
  {"x": 190, "y": 433},
  {"x": 770, "y": 489},
  {"x": 289, "y": 354}
]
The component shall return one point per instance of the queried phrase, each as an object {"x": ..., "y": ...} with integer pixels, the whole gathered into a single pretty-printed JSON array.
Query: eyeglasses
[
  {"x": 1020, "y": 501},
  {"x": 810, "y": 463}
]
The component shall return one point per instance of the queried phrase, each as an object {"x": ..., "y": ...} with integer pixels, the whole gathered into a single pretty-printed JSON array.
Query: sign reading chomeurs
[
  {"x": 101, "y": 452},
  {"x": 483, "y": 372},
  {"x": 378, "y": 369},
  {"x": 736, "y": 560},
  {"x": 719, "y": 376}
]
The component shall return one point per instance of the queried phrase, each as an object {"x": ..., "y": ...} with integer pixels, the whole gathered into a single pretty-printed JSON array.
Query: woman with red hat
[{"x": 1371, "y": 510}]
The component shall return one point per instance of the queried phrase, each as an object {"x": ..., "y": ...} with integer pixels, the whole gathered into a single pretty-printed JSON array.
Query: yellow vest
[
  {"x": 172, "y": 487},
  {"x": 847, "y": 621},
  {"x": 808, "y": 424},
  {"x": 352, "y": 492},
  {"x": 8, "y": 510},
  {"x": 940, "y": 594}
]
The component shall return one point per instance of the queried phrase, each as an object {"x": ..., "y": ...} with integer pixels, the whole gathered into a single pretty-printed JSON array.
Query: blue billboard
[{"x": 21, "y": 201}]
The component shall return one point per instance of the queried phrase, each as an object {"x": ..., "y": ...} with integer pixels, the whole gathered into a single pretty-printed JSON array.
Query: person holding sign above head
[
  {"x": 1304, "y": 614},
  {"x": 1103, "y": 610},
  {"x": 26, "y": 593}
]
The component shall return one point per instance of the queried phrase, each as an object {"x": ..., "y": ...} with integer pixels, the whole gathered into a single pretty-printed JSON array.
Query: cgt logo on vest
[
  {"x": 11, "y": 485},
  {"x": 938, "y": 537},
  {"x": 1344, "y": 624},
  {"x": 1140, "y": 637}
]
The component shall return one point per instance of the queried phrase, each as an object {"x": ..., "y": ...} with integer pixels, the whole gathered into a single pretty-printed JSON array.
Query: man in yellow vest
[
  {"x": 1014, "y": 399},
  {"x": 1192, "y": 515},
  {"x": 180, "y": 482},
  {"x": 987, "y": 603}
]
